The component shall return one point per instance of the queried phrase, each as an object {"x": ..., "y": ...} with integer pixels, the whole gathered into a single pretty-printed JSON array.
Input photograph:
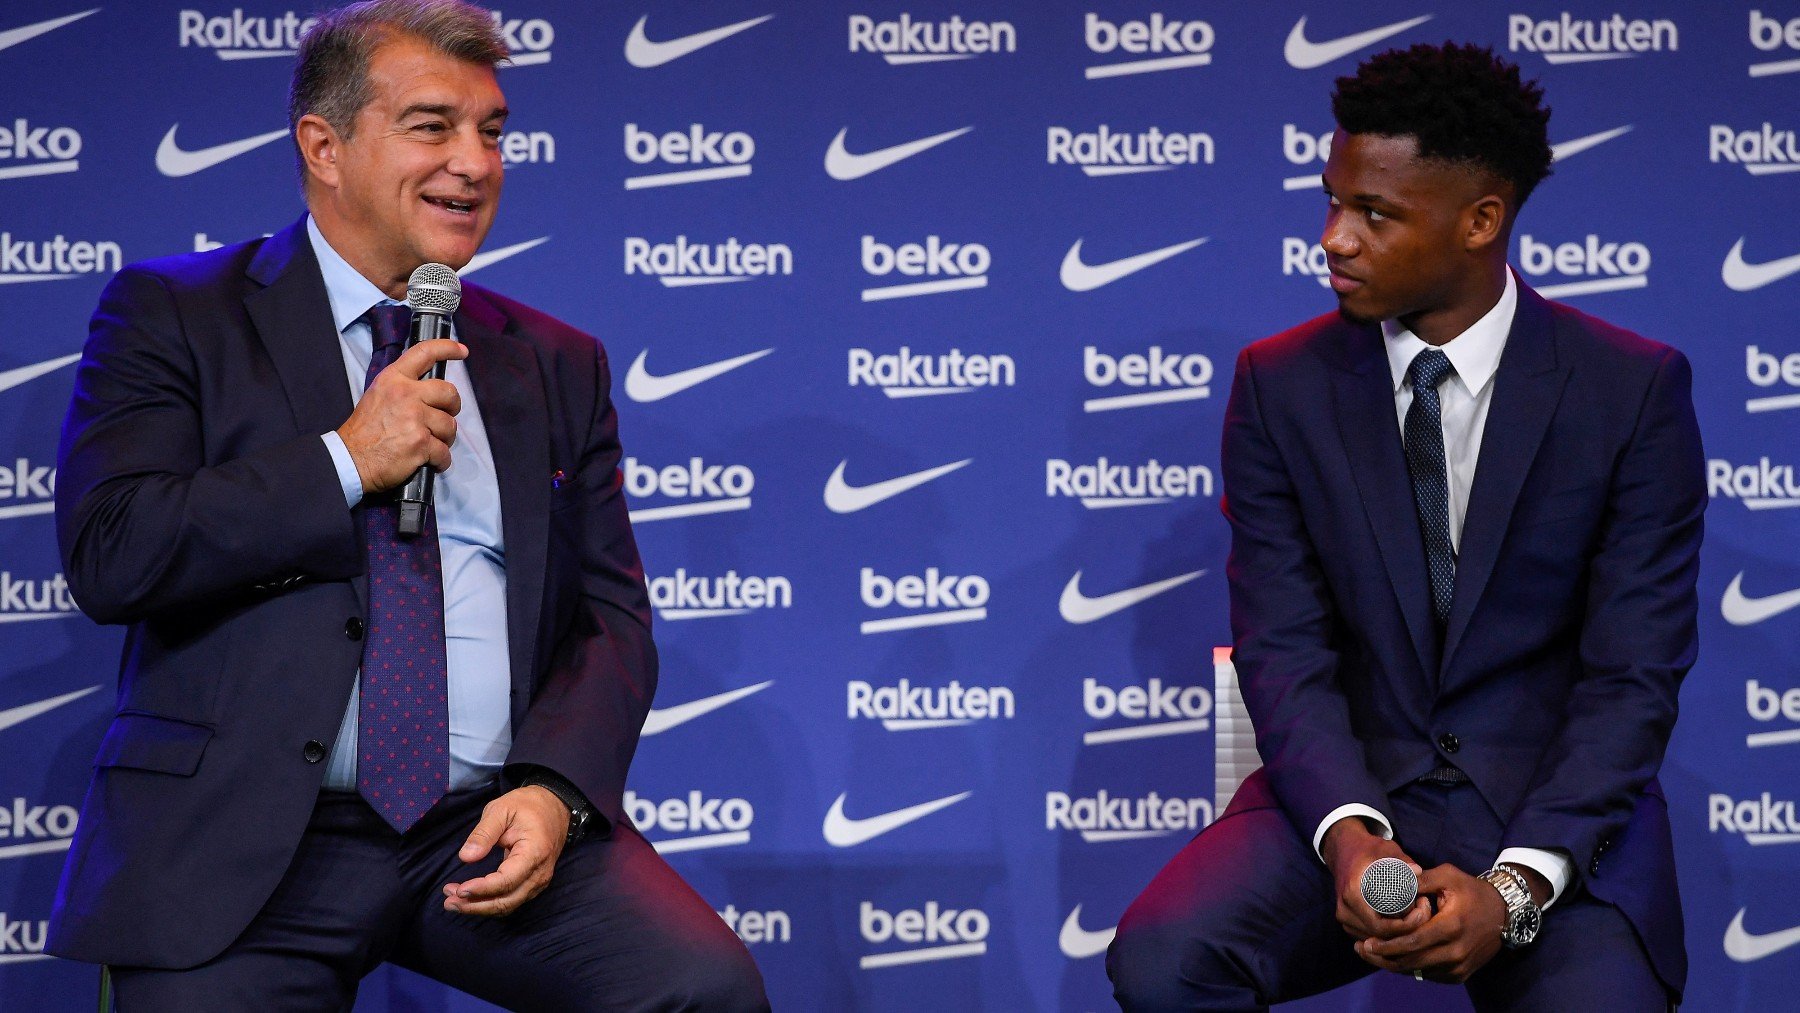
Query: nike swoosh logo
[
  {"x": 1078, "y": 943},
  {"x": 1079, "y": 608},
  {"x": 20, "y": 374},
  {"x": 1743, "y": 947},
  {"x": 14, "y": 36},
  {"x": 172, "y": 161},
  {"x": 640, "y": 386},
  {"x": 1576, "y": 146},
  {"x": 1080, "y": 277},
  {"x": 1304, "y": 55},
  {"x": 842, "y": 165},
  {"x": 1741, "y": 611},
  {"x": 1742, "y": 277},
  {"x": 481, "y": 260},
  {"x": 641, "y": 52},
  {"x": 660, "y": 721},
  {"x": 843, "y": 498},
  {"x": 25, "y": 712},
  {"x": 843, "y": 832}
]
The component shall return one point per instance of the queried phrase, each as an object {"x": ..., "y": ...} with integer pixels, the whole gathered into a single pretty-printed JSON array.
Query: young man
[{"x": 1465, "y": 535}]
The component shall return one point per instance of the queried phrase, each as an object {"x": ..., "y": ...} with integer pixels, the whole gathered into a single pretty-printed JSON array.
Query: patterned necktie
[
  {"x": 1425, "y": 461},
  {"x": 403, "y": 740}
]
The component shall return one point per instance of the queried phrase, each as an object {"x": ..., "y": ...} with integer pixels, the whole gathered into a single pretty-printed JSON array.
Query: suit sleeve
[
  {"x": 1639, "y": 635},
  {"x": 1282, "y": 627},
  {"x": 144, "y": 523}
]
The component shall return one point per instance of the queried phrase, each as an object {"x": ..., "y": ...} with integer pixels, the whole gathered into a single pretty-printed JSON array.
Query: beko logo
[
  {"x": 517, "y": 147},
  {"x": 702, "y": 822},
  {"x": 1185, "y": 43},
  {"x": 907, "y": 41},
  {"x": 934, "y": 599},
  {"x": 1760, "y": 486},
  {"x": 955, "y": 266},
  {"x": 45, "y": 151},
  {"x": 238, "y": 36},
  {"x": 758, "y": 926},
  {"x": 1171, "y": 377},
  {"x": 26, "y": 600},
  {"x": 712, "y": 488},
  {"x": 33, "y": 485},
  {"x": 1765, "y": 820},
  {"x": 704, "y": 155},
  {"x": 1764, "y": 705},
  {"x": 906, "y": 374},
  {"x": 1766, "y": 370},
  {"x": 904, "y": 707},
  {"x": 689, "y": 596},
  {"x": 1102, "y": 817},
  {"x": 1762, "y": 152},
  {"x": 1768, "y": 35},
  {"x": 1568, "y": 39},
  {"x": 1105, "y": 151},
  {"x": 1159, "y": 710},
  {"x": 56, "y": 259},
  {"x": 1302, "y": 148},
  {"x": 39, "y": 829},
  {"x": 1611, "y": 267},
  {"x": 1305, "y": 259},
  {"x": 681, "y": 264},
  {"x": 947, "y": 932},
  {"x": 527, "y": 40},
  {"x": 1103, "y": 484}
]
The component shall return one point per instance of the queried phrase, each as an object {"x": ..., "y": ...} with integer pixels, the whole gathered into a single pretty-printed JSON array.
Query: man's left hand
[
  {"x": 530, "y": 825},
  {"x": 1458, "y": 941}
]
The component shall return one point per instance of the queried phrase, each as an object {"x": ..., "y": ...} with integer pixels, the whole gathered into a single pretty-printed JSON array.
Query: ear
[
  {"x": 1484, "y": 222},
  {"x": 320, "y": 146}
]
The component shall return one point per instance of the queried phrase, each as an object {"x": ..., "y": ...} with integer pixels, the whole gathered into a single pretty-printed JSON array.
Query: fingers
[
  {"x": 486, "y": 834},
  {"x": 415, "y": 361},
  {"x": 522, "y": 876}
]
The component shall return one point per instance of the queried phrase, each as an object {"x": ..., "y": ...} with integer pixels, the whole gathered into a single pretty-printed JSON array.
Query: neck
[
  {"x": 342, "y": 237},
  {"x": 1472, "y": 301}
]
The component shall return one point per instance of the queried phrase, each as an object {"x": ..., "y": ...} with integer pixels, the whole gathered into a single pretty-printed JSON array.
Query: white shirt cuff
[
  {"x": 348, "y": 479},
  {"x": 1384, "y": 828},
  {"x": 1554, "y": 866}
]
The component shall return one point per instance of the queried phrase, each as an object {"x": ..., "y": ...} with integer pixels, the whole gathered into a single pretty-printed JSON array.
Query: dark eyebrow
[{"x": 448, "y": 112}]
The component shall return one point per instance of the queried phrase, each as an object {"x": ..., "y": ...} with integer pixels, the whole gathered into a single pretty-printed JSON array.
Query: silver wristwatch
[{"x": 1523, "y": 918}]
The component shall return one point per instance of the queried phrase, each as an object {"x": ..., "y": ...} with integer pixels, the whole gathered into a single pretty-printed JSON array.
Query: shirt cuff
[
  {"x": 348, "y": 479},
  {"x": 1556, "y": 867},
  {"x": 1383, "y": 827}
]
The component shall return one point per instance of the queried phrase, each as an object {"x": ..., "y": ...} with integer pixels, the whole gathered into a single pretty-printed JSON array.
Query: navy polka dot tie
[
  {"x": 403, "y": 741},
  {"x": 1425, "y": 461}
]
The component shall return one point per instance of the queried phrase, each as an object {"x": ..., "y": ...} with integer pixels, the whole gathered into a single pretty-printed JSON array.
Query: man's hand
[
  {"x": 403, "y": 421},
  {"x": 530, "y": 825},
  {"x": 1349, "y": 847},
  {"x": 1458, "y": 941}
]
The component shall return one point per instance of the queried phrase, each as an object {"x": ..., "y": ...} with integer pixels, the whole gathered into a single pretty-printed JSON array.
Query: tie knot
[
  {"x": 1428, "y": 369},
  {"x": 389, "y": 323}
]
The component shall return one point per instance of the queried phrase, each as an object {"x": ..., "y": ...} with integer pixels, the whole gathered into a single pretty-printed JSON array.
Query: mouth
[
  {"x": 453, "y": 205},
  {"x": 1342, "y": 283}
]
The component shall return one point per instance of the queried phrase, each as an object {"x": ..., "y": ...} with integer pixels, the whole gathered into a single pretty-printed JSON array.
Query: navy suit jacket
[
  {"x": 1553, "y": 683},
  {"x": 197, "y": 503}
]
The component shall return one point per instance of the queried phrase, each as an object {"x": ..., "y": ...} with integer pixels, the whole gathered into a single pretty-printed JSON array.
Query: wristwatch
[
  {"x": 581, "y": 812},
  {"x": 1523, "y": 918}
]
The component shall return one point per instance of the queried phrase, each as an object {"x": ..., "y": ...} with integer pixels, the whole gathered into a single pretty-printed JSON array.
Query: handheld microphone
[
  {"x": 1390, "y": 886},
  {"x": 433, "y": 291}
]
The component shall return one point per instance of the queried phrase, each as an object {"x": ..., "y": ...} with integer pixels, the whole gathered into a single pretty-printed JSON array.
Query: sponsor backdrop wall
[{"x": 922, "y": 316}]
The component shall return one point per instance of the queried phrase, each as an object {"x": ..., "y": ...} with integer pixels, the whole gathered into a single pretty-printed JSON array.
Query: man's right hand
[
  {"x": 402, "y": 421},
  {"x": 1349, "y": 848}
]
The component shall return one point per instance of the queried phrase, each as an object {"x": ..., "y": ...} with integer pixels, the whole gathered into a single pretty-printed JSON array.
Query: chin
[{"x": 1356, "y": 314}]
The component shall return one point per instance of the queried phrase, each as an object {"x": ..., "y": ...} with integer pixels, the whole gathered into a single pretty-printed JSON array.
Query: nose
[
  {"x": 1338, "y": 240},
  {"x": 471, "y": 156}
]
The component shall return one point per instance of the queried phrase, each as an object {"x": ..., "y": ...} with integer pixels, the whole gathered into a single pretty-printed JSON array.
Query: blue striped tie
[{"x": 1425, "y": 461}]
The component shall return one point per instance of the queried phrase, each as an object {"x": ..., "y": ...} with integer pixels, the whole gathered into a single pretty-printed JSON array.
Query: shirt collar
[
  {"x": 350, "y": 293},
  {"x": 1475, "y": 352}
]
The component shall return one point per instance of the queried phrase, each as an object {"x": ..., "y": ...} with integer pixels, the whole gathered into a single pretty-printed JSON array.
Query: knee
[
  {"x": 718, "y": 978},
  {"x": 1159, "y": 964}
]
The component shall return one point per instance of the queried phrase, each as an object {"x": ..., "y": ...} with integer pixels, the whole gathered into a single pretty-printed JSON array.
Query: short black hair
[{"x": 1463, "y": 105}]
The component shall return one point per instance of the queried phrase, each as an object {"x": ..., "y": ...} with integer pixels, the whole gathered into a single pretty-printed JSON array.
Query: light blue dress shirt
[{"x": 467, "y": 501}]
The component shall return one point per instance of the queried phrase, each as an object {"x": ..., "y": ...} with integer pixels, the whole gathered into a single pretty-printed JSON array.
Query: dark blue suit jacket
[
  {"x": 197, "y": 503},
  {"x": 1575, "y": 611}
]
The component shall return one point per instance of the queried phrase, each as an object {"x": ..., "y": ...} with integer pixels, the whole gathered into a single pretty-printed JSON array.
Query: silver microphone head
[
  {"x": 1390, "y": 886},
  {"x": 434, "y": 288}
]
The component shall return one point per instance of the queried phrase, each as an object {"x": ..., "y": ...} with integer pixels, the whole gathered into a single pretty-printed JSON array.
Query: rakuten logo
[
  {"x": 240, "y": 37},
  {"x": 1304, "y": 258},
  {"x": 703, "y": 822},
  {"x": 758, "y": 926},
  {"x": 682, "y": 264},
  {"x": 39, "y": 829},
  {"x": 1102, "y": 817},
  {"x": 1109, "y": 152},
  {"x": 1186, "y": 43},
  {"x": 27, "y": 600},
  {"x": 1766, "y": 820},
  {"x": 1158, "y": 710},
  {"x": 905, "y": 374},
  {"x": 1762, "y": 152},
  {"x": 946, "y": 932},
  {"x": 32, "y": 485},
  {"x": 1768, "y": 35},
  {"x": 518, "y": 147},
  {"x": 1302, "y": 148},
  {"x": 1760, "y": 486},
  {"x": 690, "y": 596},
  {"x": 1103, "y": 485},
  {"x": 44, "y": 151},
  {"x": 905, "y": 707},
  {"x": 713, "y": 488},
  {"x": 1611, "y": 267},
  {"x": 55, "y": 259},
  {"x": 705, "y": 155},
  {"x": 527, "y": 39},
  {"x": 1171, "y": 377},
  {"x": 1765, "y": 705},
  {"x": 1765, "y": 370},
  {"x": 22, "y": 941},
  {"x": 1572, "y": 40},
  {"x": 956, "y": 266},
  {"x": 906, "y": 41},
  {"x": 934, "y": 599}
]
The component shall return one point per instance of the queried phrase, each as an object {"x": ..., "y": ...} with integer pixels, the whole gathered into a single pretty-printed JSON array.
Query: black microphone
[
  {"x": 1390, "y": 886},
  {"x": 433, "y": 291}
]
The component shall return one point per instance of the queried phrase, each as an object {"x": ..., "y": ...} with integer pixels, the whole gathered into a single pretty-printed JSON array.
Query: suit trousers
[
  {"x": 1246, "y": 916},
  {"x": 616, "y": 929}
]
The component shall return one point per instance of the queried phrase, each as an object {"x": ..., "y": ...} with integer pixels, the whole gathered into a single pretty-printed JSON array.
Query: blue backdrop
[{"x": 805, "y": 231}]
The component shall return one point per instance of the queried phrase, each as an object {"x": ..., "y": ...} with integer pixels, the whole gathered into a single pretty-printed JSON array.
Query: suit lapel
[
  {"x": 1527, "y": 386},
  {"x": 509, "y": 390}
]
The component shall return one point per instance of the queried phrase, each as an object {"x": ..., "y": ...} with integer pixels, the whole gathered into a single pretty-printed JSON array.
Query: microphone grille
[
  {"x": 433, "y": 288},
  {"x": 1390, "y": 886}
]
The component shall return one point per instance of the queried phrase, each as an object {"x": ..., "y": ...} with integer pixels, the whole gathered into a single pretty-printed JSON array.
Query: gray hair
[{"x": 331, "y": 70}]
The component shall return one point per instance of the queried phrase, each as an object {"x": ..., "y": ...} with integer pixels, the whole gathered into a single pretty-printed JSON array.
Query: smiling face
[{"x": 418, "y": 179}]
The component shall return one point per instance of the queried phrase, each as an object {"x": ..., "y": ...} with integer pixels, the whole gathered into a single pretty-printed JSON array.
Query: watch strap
[{"x": 581, "y": 811}]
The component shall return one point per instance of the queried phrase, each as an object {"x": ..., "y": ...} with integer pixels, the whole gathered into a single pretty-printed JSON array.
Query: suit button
[
  {"x": 353, "y": 628},
  {"x": 314, "y": 750},
  {"x": 1449, "y": 743}
]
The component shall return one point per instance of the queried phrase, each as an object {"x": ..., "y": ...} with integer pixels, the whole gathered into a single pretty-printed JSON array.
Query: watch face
[{"x": 1525, "y": 925}]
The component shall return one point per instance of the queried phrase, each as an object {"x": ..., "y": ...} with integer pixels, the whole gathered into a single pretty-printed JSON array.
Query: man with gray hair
[{"x": 337, "y": 745}]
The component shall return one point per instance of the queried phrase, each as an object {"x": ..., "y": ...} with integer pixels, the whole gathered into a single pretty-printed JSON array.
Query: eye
[
  {"x": 431, "y": 127},
  {"x": 1376, "y": 216}
]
